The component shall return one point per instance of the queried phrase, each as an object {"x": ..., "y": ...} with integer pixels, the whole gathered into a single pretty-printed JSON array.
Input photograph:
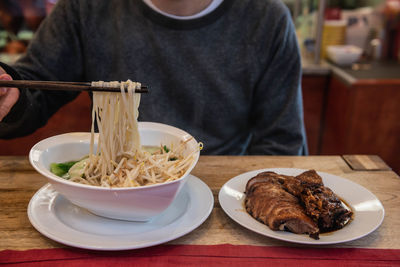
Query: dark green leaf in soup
[
  {"x": 166, "y": 149},
  {"x": 60, "y": 169}
]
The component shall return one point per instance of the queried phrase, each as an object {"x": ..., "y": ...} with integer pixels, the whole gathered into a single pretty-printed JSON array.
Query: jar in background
[{"x": 334, "y": 33}]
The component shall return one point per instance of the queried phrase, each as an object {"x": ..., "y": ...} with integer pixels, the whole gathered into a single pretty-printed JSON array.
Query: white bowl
[
  {"x": 344, "y": 55},
  {"x": 133, "y": 204}
]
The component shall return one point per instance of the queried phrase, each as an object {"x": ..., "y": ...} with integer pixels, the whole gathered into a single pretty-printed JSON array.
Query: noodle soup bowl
[{"x": 129, "y": 203}]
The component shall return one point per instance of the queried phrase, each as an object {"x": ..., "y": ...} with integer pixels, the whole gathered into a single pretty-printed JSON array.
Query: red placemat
[{"x": 199, "y": 255}]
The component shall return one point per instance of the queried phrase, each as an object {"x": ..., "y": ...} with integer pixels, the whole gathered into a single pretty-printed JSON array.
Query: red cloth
[{"x": 199, "y": 255}]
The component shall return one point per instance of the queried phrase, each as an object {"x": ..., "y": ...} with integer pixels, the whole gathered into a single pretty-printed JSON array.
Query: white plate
[
  {"x": 368, "y": 210},
  {"x": 58, "y": 219}
]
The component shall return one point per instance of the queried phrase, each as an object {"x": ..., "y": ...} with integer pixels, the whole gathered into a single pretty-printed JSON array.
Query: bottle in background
[{"x": 334, "y": 33}]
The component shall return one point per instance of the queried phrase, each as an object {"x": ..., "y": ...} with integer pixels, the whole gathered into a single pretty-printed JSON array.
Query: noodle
[{"x": 120, "y": 160}]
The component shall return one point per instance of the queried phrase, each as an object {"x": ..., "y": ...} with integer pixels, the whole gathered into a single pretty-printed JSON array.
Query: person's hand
[{"x": 8, "y": 96}]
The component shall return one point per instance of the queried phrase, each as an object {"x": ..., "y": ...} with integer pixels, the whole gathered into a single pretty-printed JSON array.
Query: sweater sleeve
[
  {"x": 53, "y": 54},
  {"x": 277, "y": 111}
]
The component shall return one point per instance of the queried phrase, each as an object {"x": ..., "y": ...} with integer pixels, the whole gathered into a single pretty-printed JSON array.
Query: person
[{"x": 226, "y": 71}]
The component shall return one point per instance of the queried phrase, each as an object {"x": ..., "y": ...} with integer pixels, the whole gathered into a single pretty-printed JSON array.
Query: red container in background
[{"x": 333, "y": 13}]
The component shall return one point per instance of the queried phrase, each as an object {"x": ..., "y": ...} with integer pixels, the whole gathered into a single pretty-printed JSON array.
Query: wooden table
[{"x": 19, "y": 182}]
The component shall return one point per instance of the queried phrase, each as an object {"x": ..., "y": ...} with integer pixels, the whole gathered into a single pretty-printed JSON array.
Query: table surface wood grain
[{"x": 19, "y": 182}]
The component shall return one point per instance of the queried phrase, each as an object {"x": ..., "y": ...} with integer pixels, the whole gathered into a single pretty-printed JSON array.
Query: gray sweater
[{"x": 230, "y": 78}]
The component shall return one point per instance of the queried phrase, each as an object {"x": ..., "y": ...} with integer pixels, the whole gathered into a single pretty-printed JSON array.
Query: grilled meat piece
[
  {"x": 268, "y": 202},
  {"x": 296, "y": 185},
  {"x": 325, "y": 208},
  {"x": 321, "y": 203},
  {"x": 265, "y": 177},
  {"x": 293, "y": 186},
  {"x": 310, "y": 179}
]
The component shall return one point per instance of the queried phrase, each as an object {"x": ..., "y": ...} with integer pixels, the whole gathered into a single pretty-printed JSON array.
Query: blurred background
[
  {"x": 372, "y": 25},
  {"x": 351, "y": 75},
  {"x": 19, "y": 19}
]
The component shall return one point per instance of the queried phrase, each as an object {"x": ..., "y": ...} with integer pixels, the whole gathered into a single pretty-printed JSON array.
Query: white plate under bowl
[
  {"x": 58, "y": 219},
  {"x": 368, "y": 210}
]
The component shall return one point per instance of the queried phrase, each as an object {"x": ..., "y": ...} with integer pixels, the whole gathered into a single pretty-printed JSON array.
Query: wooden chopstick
[{"x": 63, "y": 86}]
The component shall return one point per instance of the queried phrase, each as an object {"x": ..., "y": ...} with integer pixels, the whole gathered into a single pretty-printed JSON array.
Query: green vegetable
[
  {"x": 166, "y": 149},
  {"x": 78, "y": 169},
  {"x": 60, "y": 169}
]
